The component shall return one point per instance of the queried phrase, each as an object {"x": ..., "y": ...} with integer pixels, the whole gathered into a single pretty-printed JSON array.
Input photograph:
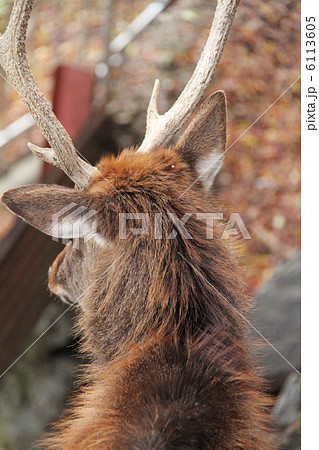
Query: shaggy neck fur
[{"x": 162, "y": 287}]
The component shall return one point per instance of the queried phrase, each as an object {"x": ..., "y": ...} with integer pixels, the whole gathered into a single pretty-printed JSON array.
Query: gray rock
[
  {"x": 287, "y": 407},
  {"x": 286, "y": 414},
  {"x": 276, "y": 316}
]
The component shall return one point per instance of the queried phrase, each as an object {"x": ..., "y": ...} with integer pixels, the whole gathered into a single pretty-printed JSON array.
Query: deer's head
[
  {"x": 132, "y": 183},
  {"x": 144, "y": 180}
]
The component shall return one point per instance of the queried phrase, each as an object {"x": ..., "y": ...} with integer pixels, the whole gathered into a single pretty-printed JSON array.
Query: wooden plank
[
  {"x": 23, "y": 294},
  {"x": 73, "y": 95}
]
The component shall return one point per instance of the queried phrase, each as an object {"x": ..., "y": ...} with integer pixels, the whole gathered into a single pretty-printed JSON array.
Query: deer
[{"x": 162, "y": 321}]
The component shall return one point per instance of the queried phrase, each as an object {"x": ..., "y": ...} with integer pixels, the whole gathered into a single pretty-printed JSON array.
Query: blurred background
[{"x": 97, "y": 64}]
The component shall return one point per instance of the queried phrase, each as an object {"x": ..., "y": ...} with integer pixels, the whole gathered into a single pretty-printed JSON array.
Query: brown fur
[
  {"x": 163, "y": 321},
  {"x": 171, "y": 369}
]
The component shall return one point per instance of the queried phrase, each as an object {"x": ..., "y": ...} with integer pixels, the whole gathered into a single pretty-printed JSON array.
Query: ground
[{"x": 260, "y": 178}]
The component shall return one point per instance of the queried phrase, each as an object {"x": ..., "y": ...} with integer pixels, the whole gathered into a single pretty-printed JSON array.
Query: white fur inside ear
[
  {"x": 78, "y": 228},
  {"x": 67, "y": 229},
  {"x": 80, "y": 223},
  {"x": 207, "y": 168}
]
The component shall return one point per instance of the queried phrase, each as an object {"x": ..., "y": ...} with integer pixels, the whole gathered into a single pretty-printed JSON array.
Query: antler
[
  {"x": 14, "y": 62},
  {"x": 160, "y": 128}
]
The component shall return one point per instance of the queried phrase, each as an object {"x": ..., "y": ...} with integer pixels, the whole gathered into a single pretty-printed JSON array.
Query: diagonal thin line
[
  {"x": 58, "y": 318},
  {"x": 242, "y": 316},
  {"x": 77, "y": 151},
  {"x": 30, "y": 346},
  {"x": 233, "y": 143}
]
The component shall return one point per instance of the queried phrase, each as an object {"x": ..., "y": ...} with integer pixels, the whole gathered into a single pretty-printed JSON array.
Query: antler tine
[
  {"x": 161, "y": 128},
  {"x": 14, "y": 62}
]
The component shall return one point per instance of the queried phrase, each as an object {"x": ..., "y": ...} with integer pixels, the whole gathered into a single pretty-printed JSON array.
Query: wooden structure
[{"x": 26, "y": 254}]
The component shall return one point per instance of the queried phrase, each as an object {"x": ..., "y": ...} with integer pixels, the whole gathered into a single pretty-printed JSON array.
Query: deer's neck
[{"x": 186, "y": 289}]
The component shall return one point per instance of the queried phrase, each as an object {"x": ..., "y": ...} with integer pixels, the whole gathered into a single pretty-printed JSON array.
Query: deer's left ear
[
  {"x": 204, "y": 141},
  {"x": 55, "y": 210}
]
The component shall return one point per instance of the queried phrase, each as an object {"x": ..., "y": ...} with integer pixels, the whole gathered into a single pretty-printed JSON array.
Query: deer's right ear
[
  {"x": 203, "y": 144},
  {"x": 55, "y": 210}
]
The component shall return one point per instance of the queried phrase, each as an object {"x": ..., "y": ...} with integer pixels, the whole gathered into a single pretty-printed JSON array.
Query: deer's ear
[
  {"x": 55, "y": 210},
  {"x": 204, "y": 141}
]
